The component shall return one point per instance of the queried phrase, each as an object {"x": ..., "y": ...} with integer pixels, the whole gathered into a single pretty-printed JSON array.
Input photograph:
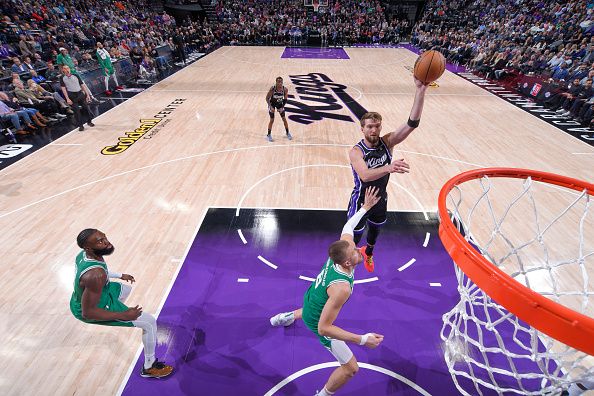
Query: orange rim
[{"x": 551, "y": 318}]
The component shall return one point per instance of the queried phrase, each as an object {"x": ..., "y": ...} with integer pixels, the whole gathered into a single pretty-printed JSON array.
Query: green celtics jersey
[
  {"x": 110, "y": 294},
  {"x": 104, "y": 61},
  {"x": 316, "y": 296}
]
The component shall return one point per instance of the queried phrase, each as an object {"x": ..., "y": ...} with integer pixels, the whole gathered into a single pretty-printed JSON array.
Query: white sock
[
  {"x": 107, "y": 83},
  {"x": 148, "y": 361},
  {"x": 115, "y": 78},
  {"x": 148, "y": 324},
  {"x": 325, "y": 392}
]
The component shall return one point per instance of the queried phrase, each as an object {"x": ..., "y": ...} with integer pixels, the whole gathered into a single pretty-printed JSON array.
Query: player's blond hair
[
  {"x": 338, "y": 251},
  {"x": 372, "y": 115}
]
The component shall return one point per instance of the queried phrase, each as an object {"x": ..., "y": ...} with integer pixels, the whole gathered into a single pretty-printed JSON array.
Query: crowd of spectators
[
  {"x": 37, "y": 37},
  {"x": 284, "y": 22},
  {"x": 510, "y": 38},
  {"x": 495, "y": 39}
]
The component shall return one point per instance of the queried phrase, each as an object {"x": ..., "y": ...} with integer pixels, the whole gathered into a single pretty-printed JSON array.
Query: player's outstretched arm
[
  {"x": 371, "y": 198},
  {"x": 393, "y": 138},
  {"x": 338, "y": 294}
]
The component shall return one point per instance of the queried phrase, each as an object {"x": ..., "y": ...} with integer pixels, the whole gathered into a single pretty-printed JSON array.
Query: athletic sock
[
  {"x": 148, "y": 362},
  {"x": 325, "y": 392},
  {"x": 369, "y": 250}
]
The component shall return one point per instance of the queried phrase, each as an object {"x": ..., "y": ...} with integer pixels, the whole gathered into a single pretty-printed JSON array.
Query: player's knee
[
  {"x": 271, "y": 116},
  {"x": 149, "y": 319},
  {"x": 351, "y": 368}
]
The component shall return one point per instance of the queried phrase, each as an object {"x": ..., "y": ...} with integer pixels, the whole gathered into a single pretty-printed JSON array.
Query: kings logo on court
[{"x": 317, "y": 97}]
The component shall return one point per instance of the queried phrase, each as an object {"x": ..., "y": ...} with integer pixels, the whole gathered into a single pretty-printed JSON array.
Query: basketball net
[
  {"x": 486, "y": 347},
  {"x": 316, "y": 6}
]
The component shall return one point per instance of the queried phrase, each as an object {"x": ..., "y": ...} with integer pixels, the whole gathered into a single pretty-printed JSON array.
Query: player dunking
[
  {"x": 326, "y": 296},
  {"x": 97, "y": 300},
  {"x": 276, "y": 98},
  {"x": 371, "y": 161}
]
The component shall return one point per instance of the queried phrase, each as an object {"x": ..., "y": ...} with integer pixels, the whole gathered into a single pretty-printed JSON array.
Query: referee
[{"x": 77, "y": 95}]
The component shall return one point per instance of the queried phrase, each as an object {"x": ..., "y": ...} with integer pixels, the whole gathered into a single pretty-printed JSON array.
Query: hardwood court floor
[{"x": 150, "y": 198}]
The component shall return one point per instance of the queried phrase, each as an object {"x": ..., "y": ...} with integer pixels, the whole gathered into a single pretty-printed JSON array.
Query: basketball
[{"x": 429, "y": 66}]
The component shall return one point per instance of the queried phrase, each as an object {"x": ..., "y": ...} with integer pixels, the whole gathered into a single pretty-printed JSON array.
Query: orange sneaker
[
  {"x": 367, "y": 260},
  {"x": 158, "y": 370}
]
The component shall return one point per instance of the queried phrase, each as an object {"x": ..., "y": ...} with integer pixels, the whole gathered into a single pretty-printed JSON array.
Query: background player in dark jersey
[
  {"x": 372, "y": 164},
  {"x": 276, "y": 98}
]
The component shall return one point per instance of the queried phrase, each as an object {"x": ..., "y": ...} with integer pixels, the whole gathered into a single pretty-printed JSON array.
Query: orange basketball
[{"x": 429, "y": 66}]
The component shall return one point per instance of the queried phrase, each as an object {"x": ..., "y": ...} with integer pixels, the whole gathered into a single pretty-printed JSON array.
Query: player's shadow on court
[
  {"x": 428, "y": 299},
  {"x": 408, "y": 368},
  {"x": 200, "y": 336}
]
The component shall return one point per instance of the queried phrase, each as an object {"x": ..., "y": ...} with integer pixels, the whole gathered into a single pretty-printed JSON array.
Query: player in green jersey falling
[
  {"x": 99, "y": 301},
  {"x": 326, "y": 296}
]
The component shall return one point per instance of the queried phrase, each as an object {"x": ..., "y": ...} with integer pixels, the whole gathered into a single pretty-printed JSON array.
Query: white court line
[
  {"x": 367, "y": 366},
  {"x": 375, "y": 278},
  {"x": 340, "y": 209},
  {"x": 205, "y": 90},
  {"x": 582, "y": 153},
  {"x": 243, "y": 280},
  {"x": 162, "y": 303},
  {"x": 435, "y": 284},
  {"x": 174, "y": 160},
  {"x": 405, "y": 266},
  {"x": 428, "y": 94},
  {"x": 366, "y": 280},
  {"x": 268, "y": 263},
  {"x": 97, "y": 117},
  {"x": 320, "y": 165},
  {"x": 427, "y": 235},
  {"x": 241, "y": 236},
  {"x": 410, "y": 194},
  {"x": 279, "y": 172}
]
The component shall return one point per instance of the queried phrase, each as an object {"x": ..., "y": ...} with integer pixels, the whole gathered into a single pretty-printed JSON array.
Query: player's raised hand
[
  {"x": 421, "y": 85},
  {"x": 373, "y": 340},
  {"x": 399, "y": 166},
  {"x": 371, "y": 197}
]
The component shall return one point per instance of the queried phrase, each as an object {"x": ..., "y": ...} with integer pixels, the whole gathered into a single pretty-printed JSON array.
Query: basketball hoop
[
  {"x": 530, "y": 303},
  {"x": 316, "y": 5}
]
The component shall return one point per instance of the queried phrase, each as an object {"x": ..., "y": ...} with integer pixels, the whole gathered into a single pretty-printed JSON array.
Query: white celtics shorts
[{"x": 340, "y": 351}]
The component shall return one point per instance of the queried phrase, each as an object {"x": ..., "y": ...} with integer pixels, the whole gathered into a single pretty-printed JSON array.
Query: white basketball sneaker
[{"x": 283, "y": 319}]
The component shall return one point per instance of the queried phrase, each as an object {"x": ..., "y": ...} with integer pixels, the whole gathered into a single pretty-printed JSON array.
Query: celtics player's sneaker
[
  {"x": 283, "y": 319},
  {"x": 157, "y": 370},
  {"x": 367, "y": 259}
]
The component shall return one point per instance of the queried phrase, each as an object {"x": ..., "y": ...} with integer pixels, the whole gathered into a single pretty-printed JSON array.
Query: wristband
[
  {"x": 364, "y": 338},
  {"x": 413, "y": 123}
]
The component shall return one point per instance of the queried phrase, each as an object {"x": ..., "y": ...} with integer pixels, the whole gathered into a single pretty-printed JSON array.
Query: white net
[{"x": 543, "y": 238}]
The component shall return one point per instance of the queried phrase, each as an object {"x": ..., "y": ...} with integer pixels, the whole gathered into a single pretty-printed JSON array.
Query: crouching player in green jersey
[{"x": 326, "y": 296}]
